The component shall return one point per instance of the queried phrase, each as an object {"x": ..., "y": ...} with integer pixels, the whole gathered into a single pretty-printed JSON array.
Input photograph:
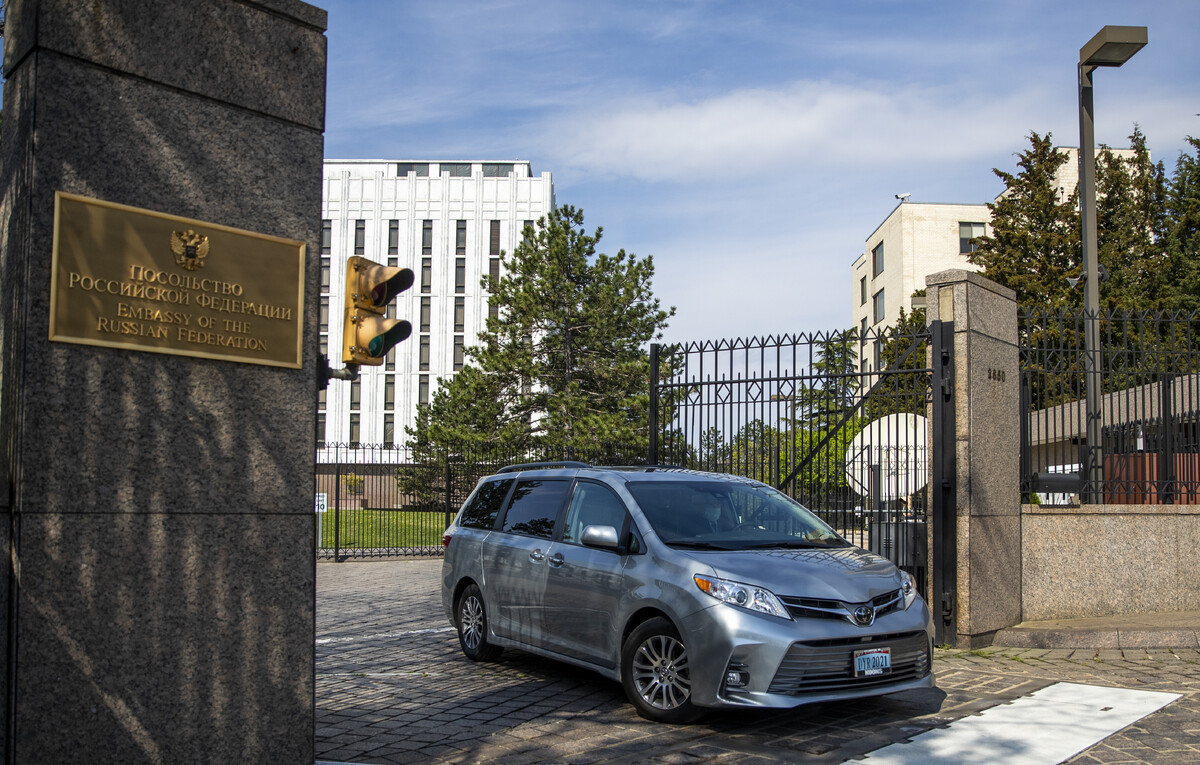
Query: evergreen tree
[
  {"x": 1182, "y": 271},
  {"x": 1130, "y": 228},
  {"x": 1035, "y": 242},
  {"x": 564, "y": 360}
]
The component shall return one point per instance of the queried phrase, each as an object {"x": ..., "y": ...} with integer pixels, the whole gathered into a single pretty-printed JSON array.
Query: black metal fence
[
  {"x": 837, "y": 420},
  {"x": 384, "y": 501},
  {"x": 1149, "y": 409}
]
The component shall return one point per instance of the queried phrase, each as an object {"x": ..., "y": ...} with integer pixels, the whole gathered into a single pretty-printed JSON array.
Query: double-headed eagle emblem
[{"x": 190, "y": 249}]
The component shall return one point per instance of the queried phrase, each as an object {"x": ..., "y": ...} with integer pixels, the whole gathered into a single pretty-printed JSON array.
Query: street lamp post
[{"x": 1112, "y": 46}]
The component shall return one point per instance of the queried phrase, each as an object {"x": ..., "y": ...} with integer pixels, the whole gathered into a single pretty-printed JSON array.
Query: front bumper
[{"x": 806, "y": 660}]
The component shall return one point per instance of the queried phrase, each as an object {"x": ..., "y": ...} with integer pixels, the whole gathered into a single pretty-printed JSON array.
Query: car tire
[
  {"x": 470, "y": 616},
  {"x": 656, "y": 674}
]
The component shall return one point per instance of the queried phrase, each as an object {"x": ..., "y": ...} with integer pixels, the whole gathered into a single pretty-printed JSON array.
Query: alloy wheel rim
[
  {"x": 661, "y": 674},
  {"x": 471, "y": 620}
]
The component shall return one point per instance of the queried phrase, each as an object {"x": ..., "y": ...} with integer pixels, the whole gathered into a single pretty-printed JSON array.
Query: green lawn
[{"x": 382, "y": 528}]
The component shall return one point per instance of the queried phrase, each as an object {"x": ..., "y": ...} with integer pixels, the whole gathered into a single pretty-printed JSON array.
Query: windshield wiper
[
  {"x": 699, "y": 545},
  {"x": 793, "y": 545}
]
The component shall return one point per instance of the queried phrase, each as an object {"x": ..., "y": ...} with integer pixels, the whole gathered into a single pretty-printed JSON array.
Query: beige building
[
  {"x": 918, "y": 239},
  {"x": 915, "y": 240}
]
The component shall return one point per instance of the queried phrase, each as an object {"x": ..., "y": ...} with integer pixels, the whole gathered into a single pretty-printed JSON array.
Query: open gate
[{"x": 854, "y": 425}]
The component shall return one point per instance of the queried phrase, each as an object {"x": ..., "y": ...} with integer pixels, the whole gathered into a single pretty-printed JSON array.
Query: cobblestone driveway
[{"x": 393, "y": 687}]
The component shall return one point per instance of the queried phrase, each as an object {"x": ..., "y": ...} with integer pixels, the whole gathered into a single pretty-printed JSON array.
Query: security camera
[{"x": 904, "y": 196}]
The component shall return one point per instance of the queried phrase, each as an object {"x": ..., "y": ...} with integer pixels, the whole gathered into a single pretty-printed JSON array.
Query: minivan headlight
[
  {"x": 742, "y": 595},
  {"x": 908, "y": 587}
]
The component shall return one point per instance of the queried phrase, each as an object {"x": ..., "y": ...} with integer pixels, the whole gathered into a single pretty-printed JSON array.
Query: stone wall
[
  {"x": 160, "y": 506},
  {"x": 1103, "y": 560}
]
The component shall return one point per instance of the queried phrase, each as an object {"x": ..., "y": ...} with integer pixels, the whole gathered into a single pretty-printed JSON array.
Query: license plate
[{"x": 872, "y": 661}]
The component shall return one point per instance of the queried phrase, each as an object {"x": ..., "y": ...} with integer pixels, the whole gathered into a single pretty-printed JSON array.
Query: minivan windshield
[{"x": 712, "y": 515}]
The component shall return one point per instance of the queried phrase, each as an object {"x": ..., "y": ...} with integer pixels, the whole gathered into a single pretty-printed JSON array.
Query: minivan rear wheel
[
  {"x": 656, "y": 673},
  {"x": 473, "y": 626}
]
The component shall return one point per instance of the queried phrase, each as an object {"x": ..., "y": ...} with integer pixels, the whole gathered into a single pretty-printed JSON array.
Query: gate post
[
  {"x": 652, "y": 457},
  {"x": 984, "y": 552},
  {"x": 943, "y": 579}
]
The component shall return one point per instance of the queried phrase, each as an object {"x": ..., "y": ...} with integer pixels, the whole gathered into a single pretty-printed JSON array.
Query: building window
[
  {"x": 460, "y": 275},
  {"x": 356, "y": 394},
  {"x": 393, "y": 237},
  {"x": 323, "y": 321},
  {"x": 862, "y": 291},
  {"x": 389, "y": 429},
  {"x": 360, "y": 237},
  {"x": 320, "y": 427},
  {"x": 877, "y": 308},
  {"x": 354, "y": 430},
  {"x": 460, "y": 237},
  {"x": 493, "y": 310},
  {"x": 456, "y": 169},
  {"x": 494, "y": 239},
  {"x": 458, "y": 352},
  {"x": 420, "y": 169},
  {"x": 460, "y": 310},
  {"x": 325, "y": 267},
  {"x": 426, "y": 274},
  {"x": 877, "y": 260},
  {"x": 326, "y": 237},
  {"x": 426, "y": 310},
  {"x": 493, "y": 170},
  {"x": 389, "y": 392},
  {"x": 426, "y": 237},
  {"x": 324, "y": 345},
  {"x": 389, "y": 361},
  {"x": 967, "y": 232},
  {"x": 423, "y": 358},
  {"x": 423, "y": 389}
]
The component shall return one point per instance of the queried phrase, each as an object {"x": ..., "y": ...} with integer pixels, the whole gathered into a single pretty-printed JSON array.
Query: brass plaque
[{"x": 124, "y": 277}]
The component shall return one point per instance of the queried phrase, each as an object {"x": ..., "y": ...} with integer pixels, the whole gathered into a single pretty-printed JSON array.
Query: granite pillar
[
  {"x": 160, "y": 507},
  {"x": 987, "y": 443}
]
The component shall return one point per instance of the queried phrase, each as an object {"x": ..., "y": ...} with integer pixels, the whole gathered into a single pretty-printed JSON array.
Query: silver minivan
[{"x": 693, "y": 590}]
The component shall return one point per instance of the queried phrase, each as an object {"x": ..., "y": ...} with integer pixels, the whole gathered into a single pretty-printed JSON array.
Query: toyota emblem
[{"x": 864, "y": 616}]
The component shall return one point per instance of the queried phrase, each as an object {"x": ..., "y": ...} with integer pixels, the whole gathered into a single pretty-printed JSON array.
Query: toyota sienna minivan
[{"x": 693, "y": 590}]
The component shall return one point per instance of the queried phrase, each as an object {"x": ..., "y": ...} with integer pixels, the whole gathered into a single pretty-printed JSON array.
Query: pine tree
[
  {"x": 1034, "y": 247},
  {"x": 1182, "y": 271},
  {"x": 563, "y": 360},
  {"x": 1130, "y": 228}
]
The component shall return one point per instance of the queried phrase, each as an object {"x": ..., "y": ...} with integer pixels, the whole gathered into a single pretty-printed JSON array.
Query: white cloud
[{"x": 805, "y": 124}]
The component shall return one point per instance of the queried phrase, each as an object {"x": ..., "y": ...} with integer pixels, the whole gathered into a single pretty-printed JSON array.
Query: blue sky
[{"x": 750, "y": 147}]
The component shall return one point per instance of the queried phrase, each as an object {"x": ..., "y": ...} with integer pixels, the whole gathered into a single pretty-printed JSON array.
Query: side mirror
[{"x": 600, "y": 536}]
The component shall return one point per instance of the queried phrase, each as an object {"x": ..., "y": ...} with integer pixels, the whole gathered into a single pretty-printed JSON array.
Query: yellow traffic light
[{"x": 366, "y": 335}]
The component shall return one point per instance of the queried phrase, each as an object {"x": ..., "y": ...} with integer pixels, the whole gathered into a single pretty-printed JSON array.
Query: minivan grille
[
  {"x": 817, "y": 608},
  {"x": 819, "y": 666}
]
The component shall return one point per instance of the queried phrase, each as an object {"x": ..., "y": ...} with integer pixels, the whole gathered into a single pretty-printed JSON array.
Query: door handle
[
  {"x": 537, "y": 556},
  {"x": 557, "y": 560}
]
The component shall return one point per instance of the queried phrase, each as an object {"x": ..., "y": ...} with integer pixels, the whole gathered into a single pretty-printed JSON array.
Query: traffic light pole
[{"x": 327, "y": 373}]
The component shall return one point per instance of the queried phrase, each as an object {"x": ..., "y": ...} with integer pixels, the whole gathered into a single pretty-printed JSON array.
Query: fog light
[{"x": 736, "y": 679}]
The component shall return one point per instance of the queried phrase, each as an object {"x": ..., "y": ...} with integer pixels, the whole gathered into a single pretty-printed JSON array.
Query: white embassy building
[{"x": 448, "y": 222}]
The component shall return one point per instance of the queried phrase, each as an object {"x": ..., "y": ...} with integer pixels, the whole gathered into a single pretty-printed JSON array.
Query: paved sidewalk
[
  {"x": 1162, "y": 630},
  {"x": 393, "y": 687}
]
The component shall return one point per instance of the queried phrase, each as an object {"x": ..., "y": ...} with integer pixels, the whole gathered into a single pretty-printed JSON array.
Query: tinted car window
[
  {"x": 593, "y": 505},
  {"x": 732, "y": 515},
  {"x": 481, "y": 511},
  {"x": 535, "y": 506}
]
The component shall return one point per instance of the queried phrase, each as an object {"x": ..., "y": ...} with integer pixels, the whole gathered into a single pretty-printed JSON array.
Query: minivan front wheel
[
  {"x": 473, "y": 626},
  {"x": 656, "y": 673}
]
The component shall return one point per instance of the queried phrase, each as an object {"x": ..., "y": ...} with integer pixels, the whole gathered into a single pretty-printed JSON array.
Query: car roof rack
[
  {"x": 644, "y": 468},
  {"x": 543, "y": 466}
]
